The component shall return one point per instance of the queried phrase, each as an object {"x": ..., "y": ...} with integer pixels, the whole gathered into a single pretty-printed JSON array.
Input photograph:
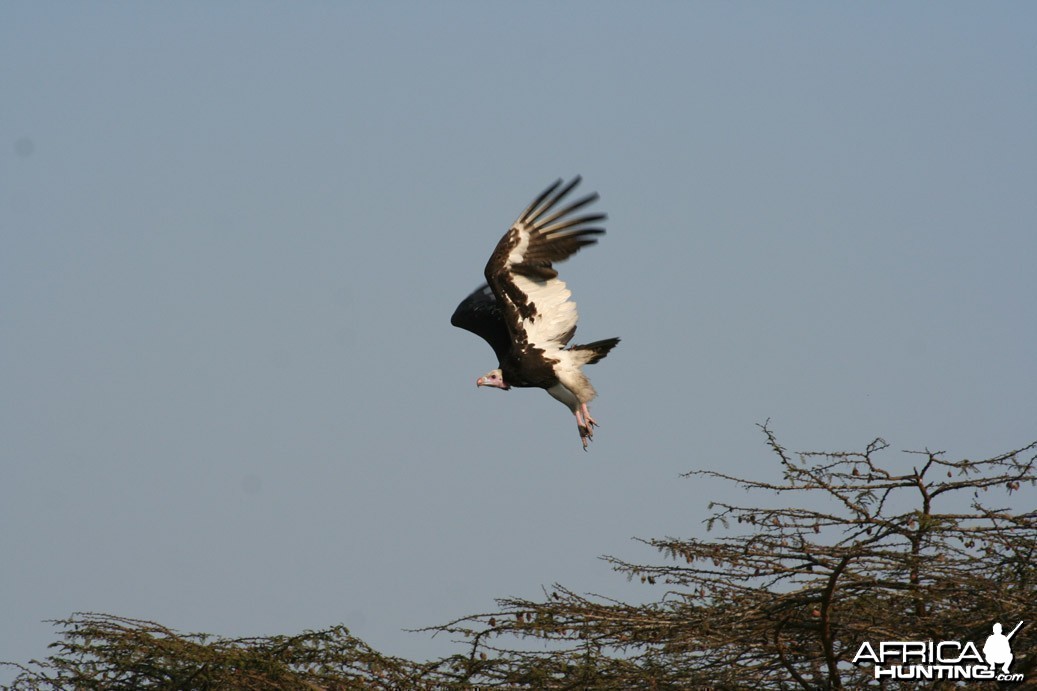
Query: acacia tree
[
  {"x": 850, "y": 549},
  {"x": 855, "y": 550},
  {"x": 111, "y": 653}
]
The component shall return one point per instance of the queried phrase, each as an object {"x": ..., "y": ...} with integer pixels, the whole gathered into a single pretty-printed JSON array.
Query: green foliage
[{"x": 104, "y": 652}]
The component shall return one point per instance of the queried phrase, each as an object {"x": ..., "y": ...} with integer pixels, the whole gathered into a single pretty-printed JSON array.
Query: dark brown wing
[
  {"x": 481, "y": 314},
  {"x": 520, "y": 273}
]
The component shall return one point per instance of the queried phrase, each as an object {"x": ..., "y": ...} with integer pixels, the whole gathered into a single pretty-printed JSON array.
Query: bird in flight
[{"x": 524, "y": 312}]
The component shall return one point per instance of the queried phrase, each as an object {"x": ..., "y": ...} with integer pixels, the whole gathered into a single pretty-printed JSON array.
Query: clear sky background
[{"x": 232, "y": 235}]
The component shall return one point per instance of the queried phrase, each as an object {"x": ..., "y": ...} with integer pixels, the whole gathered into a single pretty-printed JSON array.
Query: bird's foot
[
  {"x": 586, "y": 430},
  {"x": 591, "y": 422}
]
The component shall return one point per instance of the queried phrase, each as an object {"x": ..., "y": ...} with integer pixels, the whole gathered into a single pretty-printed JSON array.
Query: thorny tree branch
[
  {"x": 788, "y": 592},
  {"x": 839, "y": 548}
]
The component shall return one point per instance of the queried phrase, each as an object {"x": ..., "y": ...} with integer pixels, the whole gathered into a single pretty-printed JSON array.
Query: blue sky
[{"x": 232, "y": 235}]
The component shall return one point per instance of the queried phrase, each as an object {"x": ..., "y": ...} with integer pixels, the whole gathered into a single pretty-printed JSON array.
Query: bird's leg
[
  {"x": 586, "y": 434},
  {"x": 591, "y": 422},
  {"x": 586, "y": 423}
]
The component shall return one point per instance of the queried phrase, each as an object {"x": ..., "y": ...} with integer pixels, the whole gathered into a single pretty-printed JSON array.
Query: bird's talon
[{"x": 586, "y": 435}]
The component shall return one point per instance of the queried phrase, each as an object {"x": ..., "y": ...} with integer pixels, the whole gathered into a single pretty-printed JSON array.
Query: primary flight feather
[{"x": 524, "y": 310}]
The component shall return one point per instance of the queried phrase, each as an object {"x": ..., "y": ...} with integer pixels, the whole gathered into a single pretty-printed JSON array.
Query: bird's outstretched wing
[
  {"x": 534, "y": 302},
  {"x": 481, "y": 314}
]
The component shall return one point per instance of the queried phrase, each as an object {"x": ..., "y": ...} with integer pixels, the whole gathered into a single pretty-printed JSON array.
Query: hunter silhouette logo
[
  {"x": 998, "y": 650},
  {"x": 942, "y": 659}
]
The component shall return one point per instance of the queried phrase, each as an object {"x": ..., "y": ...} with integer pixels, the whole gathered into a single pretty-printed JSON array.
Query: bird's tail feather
[{"x": 592, "y": 352}]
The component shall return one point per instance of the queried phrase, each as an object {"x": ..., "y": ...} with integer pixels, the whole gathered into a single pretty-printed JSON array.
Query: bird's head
[{"x": 494, "y": 379}]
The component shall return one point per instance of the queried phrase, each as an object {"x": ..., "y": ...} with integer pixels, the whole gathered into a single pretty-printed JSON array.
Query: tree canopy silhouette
[{"x": 836, "y": 549}]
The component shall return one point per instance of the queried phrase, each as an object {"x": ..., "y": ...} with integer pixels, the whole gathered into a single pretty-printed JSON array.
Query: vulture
[{"x": 524, "y": 312}]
